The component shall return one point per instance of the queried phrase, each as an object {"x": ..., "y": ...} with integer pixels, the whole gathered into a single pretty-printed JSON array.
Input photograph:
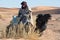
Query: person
[{"x": 25, "y": 14}]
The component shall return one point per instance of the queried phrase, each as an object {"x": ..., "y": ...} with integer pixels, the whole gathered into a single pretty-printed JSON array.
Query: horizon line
[{"x": 32, "y": 7}]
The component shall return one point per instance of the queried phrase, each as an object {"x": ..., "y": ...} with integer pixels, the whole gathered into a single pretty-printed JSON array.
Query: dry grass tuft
[{"x": 21, "y": 33}]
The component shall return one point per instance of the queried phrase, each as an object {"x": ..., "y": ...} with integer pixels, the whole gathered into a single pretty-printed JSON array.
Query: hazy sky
[{"x": 31, "y": 3}]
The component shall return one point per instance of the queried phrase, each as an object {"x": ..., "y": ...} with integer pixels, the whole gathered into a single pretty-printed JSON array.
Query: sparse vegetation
[{"x": 51, "y": 33}]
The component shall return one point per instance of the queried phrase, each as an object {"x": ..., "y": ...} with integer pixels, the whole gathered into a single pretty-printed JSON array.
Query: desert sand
[{"x": 53, "y": 27}]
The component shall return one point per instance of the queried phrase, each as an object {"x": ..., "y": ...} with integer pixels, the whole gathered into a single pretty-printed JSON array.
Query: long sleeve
[
  {"x": 19, "y": 13},
  {"x": 30, "y": 15}
]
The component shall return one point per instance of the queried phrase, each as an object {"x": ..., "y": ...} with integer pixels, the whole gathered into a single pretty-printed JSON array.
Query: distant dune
[
  {"x": 41, "y": 8},
  {"x": 9, "y": 12},
  {"x": 35, "y": 10},
  {"x": 45, "y": 10}
]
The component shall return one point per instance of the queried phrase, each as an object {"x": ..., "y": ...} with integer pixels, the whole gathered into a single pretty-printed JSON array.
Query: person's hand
[{"x": 27, "y": 15}]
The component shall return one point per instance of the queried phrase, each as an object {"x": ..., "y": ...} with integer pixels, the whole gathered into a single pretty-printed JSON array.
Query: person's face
[{"x": 24, "y": 5}]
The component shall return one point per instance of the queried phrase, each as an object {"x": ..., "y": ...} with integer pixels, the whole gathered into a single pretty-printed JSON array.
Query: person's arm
[
  {"x": 19, "y": 13},
  {"x": 30, "y": 16},
  {"x": 30, "y": 13}
]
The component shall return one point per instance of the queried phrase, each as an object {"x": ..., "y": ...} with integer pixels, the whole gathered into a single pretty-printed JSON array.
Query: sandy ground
[{"x": 51, "y": 33}]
